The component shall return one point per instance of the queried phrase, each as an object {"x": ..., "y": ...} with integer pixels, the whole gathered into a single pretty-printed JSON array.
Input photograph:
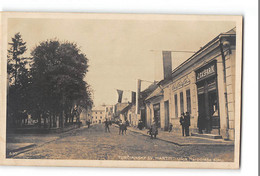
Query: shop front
[{"x": 208, "y": 101}]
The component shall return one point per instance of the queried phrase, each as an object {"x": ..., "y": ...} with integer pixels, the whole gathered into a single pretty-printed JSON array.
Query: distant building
[
  {"x": 131, "y": 116},
  {"x": 109, "y": 112},
  {"x": 98, "y": 114},
  {"x": 118, "y": 109},
  {"x": 84, "y": 116},
  {"x": 129, "y": 111}
]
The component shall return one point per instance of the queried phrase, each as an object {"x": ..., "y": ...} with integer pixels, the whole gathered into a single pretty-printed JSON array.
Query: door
[
  {"x": 143, "y": 116},
  {"x": 208, "y": 106},
  {"x": 201, "y": 118},
  {"x": 166, "y": 110},
  {"x": 157, "y": 119},
  {"x": 214, "y": 110}
]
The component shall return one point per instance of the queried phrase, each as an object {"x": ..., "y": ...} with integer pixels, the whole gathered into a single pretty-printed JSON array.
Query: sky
[{"x": 121, "y": 51}]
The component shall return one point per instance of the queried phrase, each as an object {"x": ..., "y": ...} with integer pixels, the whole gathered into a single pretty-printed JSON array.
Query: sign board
[{"x": 206, "y": 71}]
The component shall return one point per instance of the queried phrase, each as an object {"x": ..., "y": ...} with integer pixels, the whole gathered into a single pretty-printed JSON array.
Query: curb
[
  {"x": 184, "y": 144},
  {"x": 15, "y": 152},
  {"x": 12, "y": 153}
]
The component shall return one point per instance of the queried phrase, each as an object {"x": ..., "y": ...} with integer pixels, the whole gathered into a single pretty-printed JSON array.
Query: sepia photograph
[{"x": 121, "y": 90}]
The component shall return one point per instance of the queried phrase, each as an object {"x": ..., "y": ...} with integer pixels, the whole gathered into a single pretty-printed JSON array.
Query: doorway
[
  {"x": 166, "y": 110},
  {"x": 208, "y": 106},
  {"x": 157, "y": 119}
]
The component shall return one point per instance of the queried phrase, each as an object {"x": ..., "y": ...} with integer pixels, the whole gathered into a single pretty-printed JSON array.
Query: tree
[
  {"x": 16, "y": 63},
  {"x": 18, "y": 81},
  {"x": 58, "y": 71}
]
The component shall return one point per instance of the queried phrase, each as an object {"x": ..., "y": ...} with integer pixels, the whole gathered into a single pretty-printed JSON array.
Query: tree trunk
[
  {"x": 54, "y": 120},
  {"x": 39, "y": 120},
  {"x": 61, "y": 119},
  {"x": 50, "y": 121},
  {"x": 44, "y": 122}
]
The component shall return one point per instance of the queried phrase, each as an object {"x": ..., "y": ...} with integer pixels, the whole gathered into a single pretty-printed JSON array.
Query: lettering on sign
[
  {"x": 181, "y": 83},
  {"x": 156, "y": 106},
  {"x": 211, "y": 70}
]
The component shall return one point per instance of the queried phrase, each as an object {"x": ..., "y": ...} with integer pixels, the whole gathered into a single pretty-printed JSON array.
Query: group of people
[
  {"x": 153, "y": 131},
  {"x": 122, "y": 126},
  {"x": 185, "y": 123}
]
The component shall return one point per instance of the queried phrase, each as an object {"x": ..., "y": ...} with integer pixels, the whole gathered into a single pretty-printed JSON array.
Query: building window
[
  {"x": 96, "y": 117},
  {"x": 100, "y": 112},
  {"x": 176, "y": 105},
  {"x": 96, "y": 112},
  {"x": 181, "y": 102},
  {"x": 188, "y": 101}
]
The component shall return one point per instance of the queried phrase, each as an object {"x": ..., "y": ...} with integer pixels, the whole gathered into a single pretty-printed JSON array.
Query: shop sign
[
  {"x": 206, "y": 72},
  {"x": 181, "y": 83}
]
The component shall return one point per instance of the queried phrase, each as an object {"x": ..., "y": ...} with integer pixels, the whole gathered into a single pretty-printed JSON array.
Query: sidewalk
[
  {"x": 179, "y": 140},
  {"x": 20, "y": 143}
]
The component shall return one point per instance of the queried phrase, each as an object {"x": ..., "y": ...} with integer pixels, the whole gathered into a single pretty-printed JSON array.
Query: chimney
[{"x": 167, "y": 64}]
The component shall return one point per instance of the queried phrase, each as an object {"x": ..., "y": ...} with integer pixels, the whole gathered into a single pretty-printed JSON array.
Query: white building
[
  {"x": 98, "y": 114},
  {"x": 204, "y": 86}
]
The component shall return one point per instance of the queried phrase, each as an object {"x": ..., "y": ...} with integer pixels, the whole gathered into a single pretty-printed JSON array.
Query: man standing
[
  {"x": 170, "y": 127},
  {"x": 107, "y": 126},
  {"x": 88, "y": 123},
  {"x": 182, "y": 123},
  {"x": 187, "y": 123}
]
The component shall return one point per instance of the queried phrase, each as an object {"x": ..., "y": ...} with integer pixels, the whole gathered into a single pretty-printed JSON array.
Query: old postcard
[{"x": 120, "y": 90}]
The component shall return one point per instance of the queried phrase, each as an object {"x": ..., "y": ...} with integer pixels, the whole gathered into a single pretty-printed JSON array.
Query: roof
[
  {"x": 126, "y": 108},
  {"x": 120, "y": 107},
  {"x": 231, "y": 31},
  {"x": 98, "y": 108},
  {"x": 156, "y": 93},
  {"x": 145, "y": 93}
]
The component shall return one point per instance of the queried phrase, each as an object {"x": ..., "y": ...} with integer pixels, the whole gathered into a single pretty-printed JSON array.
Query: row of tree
[{"x": 48, "y": 84}]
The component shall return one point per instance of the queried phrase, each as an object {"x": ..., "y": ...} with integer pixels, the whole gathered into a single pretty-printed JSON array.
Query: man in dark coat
[
  {"x": 153, "y": 131},
  {"x": 170, "y": 127},
  {"x": 88, "y": 123},
  {"x": 187, "y": 123},
  {"x": 182, "y": 123},
  {"x": 107, "y": 126},
  {"x": 122, "y": 128}
]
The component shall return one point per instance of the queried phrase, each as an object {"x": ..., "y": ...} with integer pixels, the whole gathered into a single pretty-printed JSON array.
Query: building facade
[
  {"x": 204, "y": 86},
  {"x": 98, "y": 114},
  {"x": 109, "y": 112}
]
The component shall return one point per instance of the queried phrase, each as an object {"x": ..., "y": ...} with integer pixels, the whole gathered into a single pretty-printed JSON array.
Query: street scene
[
  {"x": 113, "y": 89},
  {"x": 94, "y": 144}
]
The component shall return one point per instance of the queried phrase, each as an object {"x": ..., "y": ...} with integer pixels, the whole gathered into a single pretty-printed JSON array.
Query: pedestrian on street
[
  {"x": 182, "y": 123},
  {"x": 153, "y": 131},
  {"x": 187, "y": 123},
  {"x": 107, "y": 126},
  {"x": 122, "y": 127},
  {"x": 170, "y": 127},
  {"x": 127, "y": 123},
  {"x": 88, "y": 123}
]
